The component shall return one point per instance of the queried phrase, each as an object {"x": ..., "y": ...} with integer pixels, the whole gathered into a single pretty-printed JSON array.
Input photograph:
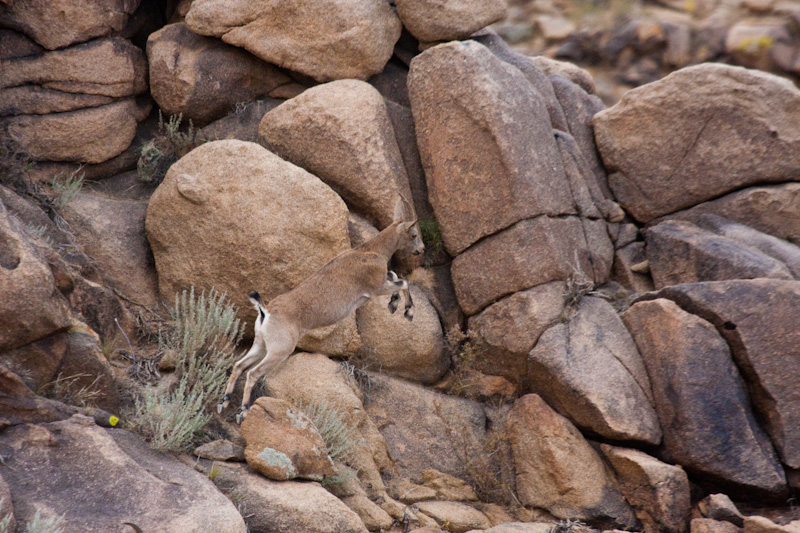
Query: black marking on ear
[
  {"x": 261, "y": 315},
  {"x": 255, "y": 296}
]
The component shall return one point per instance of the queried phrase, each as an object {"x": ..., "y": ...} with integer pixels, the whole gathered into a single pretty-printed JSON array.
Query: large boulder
[
  {"x": 557, "y": 470},
  {"x": 59, "y": 23},
  {"x": 283, "y": 443},
  {"x": 681, "y": 252},
  {"x": 341, "y": 132},
  {"x": 31, "y": 305},
  {"x": 772, "y": 209},
  {"x": 425, "y": 429},
  {"x": 701, "y": 400},
  {"x": 589, "y": 370},
  {"x": 432, "y": 20},
  {"x": 80, "y": 471},
  {"x": 506, "y": 331},
  {"x": 284, "y": 506},
  {"x": 718, "y": 116},
  {"x": 756, "y": 317},
  {"x": 658, "y": 492},
  {"x": 411, "y": 350},
  {"x": 324, "y": 40},
  {"x": 203, "y": 78},
  {"x": 194, "y": 225},
  {"x": 529, "y": 253},
  {"x": 476, "y": 118}
]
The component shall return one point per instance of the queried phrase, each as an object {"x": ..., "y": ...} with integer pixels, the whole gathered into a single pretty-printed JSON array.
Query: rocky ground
[{"x": 605, "y": 316}]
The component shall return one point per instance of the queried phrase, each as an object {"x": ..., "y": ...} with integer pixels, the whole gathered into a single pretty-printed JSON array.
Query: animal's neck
[{"x": 384, "y": 243}]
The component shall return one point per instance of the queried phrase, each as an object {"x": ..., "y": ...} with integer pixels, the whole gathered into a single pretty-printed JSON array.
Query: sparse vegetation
[
  {"x": 567, "y": 526},
  {"x": 40, "y": 524},
  {"x": 5, "y": 522},
  {"x": 464, "y": 353},
  {"x": 68, "y": 389},
  {"x": 65, "y": 186},
  {"x": 339, "y": 436},
  {"x": 432, "y": 238},
  {"x": 169, "y": 145},
  {"x": 202, "y": 337}
]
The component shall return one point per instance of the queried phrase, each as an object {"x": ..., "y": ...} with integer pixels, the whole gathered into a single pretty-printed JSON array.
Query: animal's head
[{"x": 409, "y": 238}]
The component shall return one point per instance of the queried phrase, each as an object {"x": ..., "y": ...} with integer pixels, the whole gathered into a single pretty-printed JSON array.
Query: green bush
[
  {"x": 339, "y": 436},
  {"x": 202, "y": 337},
  {"x": 53, "y": 524},
  {"x": 166, "y": 147}
]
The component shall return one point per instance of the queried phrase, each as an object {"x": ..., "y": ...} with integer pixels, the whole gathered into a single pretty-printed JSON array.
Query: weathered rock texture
[
  {"x": 203, "y": 78},
  {"x": 59, "y": 23},
  {"x": 589, "y": 370},
  {"x": 724, "y": 128},
  {"x": 481, "y": 175},
  {"x": 283, "y": 443},
  {"x": 506, "y": 331},
  {"x": 529, "y": 253},
  {"x": 341, "y": 133},
  {"x": 283, "y": 506},
  {"x": 327, "y": 41},
  {"x": 297, "y": 225},
  {"x": 701, "y": 400},
  {"x": 756, "y": 318},
  {"x": 435, "y": 20},
  {"x": 74, "y": 462},
  {"x": 658, "y": 492},
  {"x": 557, "y": 470},
  {"x": 32, "y": 306},
  {"x": 385, "y": 339},
  {"x": 681, "y": 252}
]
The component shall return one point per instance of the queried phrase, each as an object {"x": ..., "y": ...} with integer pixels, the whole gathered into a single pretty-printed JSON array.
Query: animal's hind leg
[
  {"x": 276, "y": 354},
  {"x": 392, "y": 279},
  {"x": 253, "y": 356},
  {"x": 409, "y": 312}
]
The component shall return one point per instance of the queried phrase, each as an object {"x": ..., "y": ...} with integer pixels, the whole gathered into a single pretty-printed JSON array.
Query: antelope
[{"x": 326, "y": 297}]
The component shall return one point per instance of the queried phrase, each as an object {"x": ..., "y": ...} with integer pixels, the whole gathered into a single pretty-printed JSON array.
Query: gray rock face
[
  {"x": 757, "y": 318},
  {"x": 718, "y": 117},
  {"x": 681, "y": 252},
  {"x": 327, "y": 41},
  {"x": 590, "y": 371},
  {"x": 99, "y": 478},
  {"x": 482, "y": 176},
  {"x": 422, "y": 428},
  {"x": 203, "y": 78},
  {"x": 701, "y": 400}
]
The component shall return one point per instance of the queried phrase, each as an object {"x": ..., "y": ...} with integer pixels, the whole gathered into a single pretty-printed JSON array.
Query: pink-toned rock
[
  {"x": 283, "y": 443},
  {"x": 720, "y": 507},
  {"x": 59, "y": 23},
  {"x": 529, "y": 253},
  {"x": 557, "y": 470},
  {"x": 658, "y": 492},
  {"x": 707, "y": 525},
  {"x": 203, "y": 78},
  {"x": 718, "y": 116},
  {"x": 481, "y": 178},
  {"x": 701, "y": 400},
  {"x": 327, "y": 41},
  {"x": 341, "y": 133},
  {"x": 434, "y": 20}
]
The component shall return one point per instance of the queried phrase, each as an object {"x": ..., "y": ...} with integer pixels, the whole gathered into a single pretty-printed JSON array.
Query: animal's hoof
[
  {"x": 409, "y": 314},
  {"x": 392, "y": 307},
  {"x": 220, "y": 407},
  {"x": 241, "y": 415}
]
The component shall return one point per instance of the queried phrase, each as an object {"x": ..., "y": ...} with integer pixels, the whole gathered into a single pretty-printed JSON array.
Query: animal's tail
[{"x": 262, "y": 311}]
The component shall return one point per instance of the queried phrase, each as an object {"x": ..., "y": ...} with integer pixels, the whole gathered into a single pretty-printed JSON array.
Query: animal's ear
[
  {"x": 399, "y": 210},
  {"x": 405, "y": 226}
]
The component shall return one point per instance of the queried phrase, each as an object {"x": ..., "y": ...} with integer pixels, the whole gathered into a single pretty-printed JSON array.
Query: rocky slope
[{"x": 605, "y": 329}]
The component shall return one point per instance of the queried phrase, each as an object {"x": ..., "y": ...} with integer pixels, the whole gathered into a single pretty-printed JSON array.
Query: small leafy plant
[{"x": 168, "y": 145}]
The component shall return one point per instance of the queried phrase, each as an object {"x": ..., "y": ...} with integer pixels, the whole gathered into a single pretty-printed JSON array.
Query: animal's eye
[{"x": 414, "y": 235}]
